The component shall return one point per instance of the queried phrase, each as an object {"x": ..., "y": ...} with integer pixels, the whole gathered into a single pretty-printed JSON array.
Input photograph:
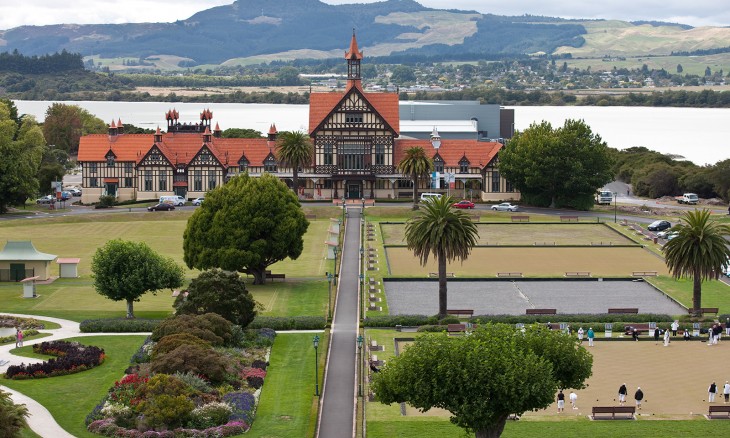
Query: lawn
[
  {"x": 61, "y": 395},
  {"x": 714, "y": 293}
]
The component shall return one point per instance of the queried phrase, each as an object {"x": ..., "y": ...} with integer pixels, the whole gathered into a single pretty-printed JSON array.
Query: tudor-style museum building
[{"x": 357, "y": 147}]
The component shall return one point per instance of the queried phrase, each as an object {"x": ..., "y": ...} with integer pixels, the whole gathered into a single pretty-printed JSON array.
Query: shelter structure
[{"x": 19, "y": 260}]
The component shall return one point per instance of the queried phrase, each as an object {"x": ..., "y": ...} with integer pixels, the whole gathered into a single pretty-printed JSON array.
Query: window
[
  {"x": 327, "y": 184},
  {"x": 270, "y": 165},
  {"x": 128, "y": 181},
  {"x": 495, "y": 182},
  {"x": 328, "y": 153},
  {"x": 128, "y": 167},
  {"x": 438, "y": 165},
  {"x": 379, "y": 154},
  {"x": 405, "y": 184},
  {"x": 163, "y": 181},
  {"x": 353, "y": 118},
  {"x": 509, "y": 187},
  {"x": 198, "y": 181},
  {"x": 148, "y": 180},
  {"x": 92, "y": 168},
  {"x": 464, "y": 166},
  {"x": 110, "y": 160},
  {"x": 205, "y": 156},
  {"x": 211, "y": 180},
  {"x": 351, "y": 156},
  {"x": 381, "y": 184},
  {"x": 94, "y": 182},
  {"x": 242, "y": 165},
  {"x": 155, "y": 156}
]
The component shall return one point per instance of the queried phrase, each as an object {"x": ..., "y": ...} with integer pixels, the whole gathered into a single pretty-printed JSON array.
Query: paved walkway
[{"x": 337, "y": 412}]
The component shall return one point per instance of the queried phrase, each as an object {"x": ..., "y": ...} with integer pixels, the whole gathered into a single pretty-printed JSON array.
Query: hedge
[
  {"x": 289, "y": 322},
  {"x": 118, "y": 325},
  {"x": 585, "y": 319}
]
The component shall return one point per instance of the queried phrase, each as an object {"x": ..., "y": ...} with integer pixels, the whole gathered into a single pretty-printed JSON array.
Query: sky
[{"x": 41, "y": 12}]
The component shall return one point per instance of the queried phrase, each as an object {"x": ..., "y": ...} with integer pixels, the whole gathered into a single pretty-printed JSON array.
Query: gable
[
  {"x": 205, "y": 157},
  {"x": 155, "y": 157},
  {"x": 330, "y": 110}
]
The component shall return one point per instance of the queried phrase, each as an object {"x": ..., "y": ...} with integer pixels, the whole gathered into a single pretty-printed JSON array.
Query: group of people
[
  {"x": 591, "y": 336},
  {"x": 623, "y": 392},
  {"x": 713, "y": 390},
  {"x": 573, "y": 397},
  {"x": 18, "y": 337},
  {"x": 714, "y": 333}
]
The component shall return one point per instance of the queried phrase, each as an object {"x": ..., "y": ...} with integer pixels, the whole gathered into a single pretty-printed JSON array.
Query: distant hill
[{"x": 265, "y": 30}]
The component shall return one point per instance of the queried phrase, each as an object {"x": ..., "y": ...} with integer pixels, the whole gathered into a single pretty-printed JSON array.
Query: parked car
[
  {"x": 48, "y": 199},
  {"x": 162, "y": 206},
  {"x": 198, "y": 201},
  {"x": 429, "y": 196},
  {"x": 659, "y": 225},
  {"x": 663, "y": 234},
  {"x": 75, "y": 192},
  {"x": 672, "y": 234},
  {"x": 464, "y": 204},
  {"x": 65, "y": 195},
  {"x": 505, "y": 206}
]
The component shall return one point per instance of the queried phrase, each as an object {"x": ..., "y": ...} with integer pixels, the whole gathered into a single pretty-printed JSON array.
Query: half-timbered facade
[{"x": 357, "y": 147}]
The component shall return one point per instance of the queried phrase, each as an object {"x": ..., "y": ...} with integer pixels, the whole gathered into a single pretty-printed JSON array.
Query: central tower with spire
[{"x": 353, "y": 57}]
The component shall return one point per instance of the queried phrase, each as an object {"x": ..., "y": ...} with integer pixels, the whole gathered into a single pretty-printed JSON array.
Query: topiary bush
[
  {"x": 187, "y": 324},
  {"x": 220, "y": 292},
  {"x": 171, "y": 342},
  {"x": 192, "y": 358},
  {"x": 122, "y": 325},
  {"x": 163, "y": 410}
]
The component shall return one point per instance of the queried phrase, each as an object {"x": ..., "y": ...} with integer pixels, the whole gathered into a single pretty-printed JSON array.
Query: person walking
[
  {"x": 727, "y": 327},
  {"x": 580, "y": 335},
  {"x": 638, "y": 396},
  {"x": 726, "y": 391},
  {"x": 675, "y": 326},
  {"x": 687, "y": 335},
  {"x": 711, "y": 391},
  {"x": 622, "y": 394},
  {"x": 656, "y": 335},
  {"x": 591, "y": 336},
  {"x": 666, "y": 338},
  {"x": 574, "y": 400},
  {"x": 18, "y": 338},
  {"x": 561, "y": 401}
]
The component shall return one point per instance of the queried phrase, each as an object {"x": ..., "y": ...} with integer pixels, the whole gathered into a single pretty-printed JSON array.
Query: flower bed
[
  {"x": 23, "y": 323},
  {"x": 72, "y": 357}
]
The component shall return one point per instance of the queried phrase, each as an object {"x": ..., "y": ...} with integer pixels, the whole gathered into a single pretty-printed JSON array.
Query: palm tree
[
  {"x": 415, "y": 164},
  {"x": 699, "y": 251},
  {"x": 445, "y": 232},
  {"x": 296, "y": 149}
]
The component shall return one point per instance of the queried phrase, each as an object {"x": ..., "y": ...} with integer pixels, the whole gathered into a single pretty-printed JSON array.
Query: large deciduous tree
[
  {"x": 221, "y": 292},
  {"x": 486, "y": 376},
  {"x": 444, "y": 232},
  {"x": 560, "y": 167},
  {"x": 12, "y": 416},
  {"x": 699, "y": 251},
  {"x": 65, "y": 124},
  {"x": 125, "y": 270},
  {"x": 417, "y": 166},
  {"x": 21, "y": 150},
  {"x": 245, "y": 225},
  {"x": 296, "y": 150}
]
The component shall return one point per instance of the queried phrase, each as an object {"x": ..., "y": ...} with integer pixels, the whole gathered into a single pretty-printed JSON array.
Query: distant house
[
  {"x": 358, "y": 142},
  {"x": 20, "y": 260}
]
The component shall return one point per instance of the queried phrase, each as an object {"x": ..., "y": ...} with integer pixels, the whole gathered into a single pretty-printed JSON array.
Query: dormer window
[
  {"x": 464, "y": 166},
  {"x": 243, "y": 165},
  {"x": 110, "y": 160},
  {"x": 438, "y": 165},
  {"x": 270, "y": 165},
  {"x": 353, "y": 118}
]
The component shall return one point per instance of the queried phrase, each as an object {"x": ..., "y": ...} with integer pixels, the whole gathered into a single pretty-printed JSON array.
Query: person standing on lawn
[
  {"x": 666, "y": 338},
  {"x": 622, "y": 394},
  {"x": 726, "y": 391},
  {"x": 580, "y": 335},
  {"x": 591, "y": 336},
  {"x": 638, "y": 396},
  {"x": 711, "y": 391},
  {"x": 675, "y": 326},
  {"x": 561, "y": 401},
  {"x": 18, "y": 338}
]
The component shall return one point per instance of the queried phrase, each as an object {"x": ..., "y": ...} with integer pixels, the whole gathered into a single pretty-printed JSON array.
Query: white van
[
  {"x": 177, "y": 201},
  {"x": 429, "y": 196}
]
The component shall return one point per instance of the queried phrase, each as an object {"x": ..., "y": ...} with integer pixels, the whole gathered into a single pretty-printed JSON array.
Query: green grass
[
  {"x": 292, "y": 297},
  {"x": 286, "y": 399},
  {"x": 27, "y": 433},
  {"x": 715, "y": 293},
  {"x": 64, "y": 397}
]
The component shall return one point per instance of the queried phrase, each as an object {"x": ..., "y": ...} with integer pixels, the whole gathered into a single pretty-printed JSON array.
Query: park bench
[
  {"x": 644, "y": 274},
  {"x": 578, "y": 274},
  {"x": 375, "y": 347},
  {"x": 461, "y": 312},
  {"x": 569, "y": 218},
  {"x": 704, "y": 310},
  {"x": 541, "y": 311},
  {"x": 640, "y": 328},
  {"x": 626, "y": 412},
  {"x": 456, "y": 328},
  {"x": 509, "y": 274},
  {"x": 520, "y": 218},
  {"x": 436, "y": 274},
  {"x": 276, "y": 276},
  {"x": 714, "y": 410},
  {"x": 623, "y": 310}
]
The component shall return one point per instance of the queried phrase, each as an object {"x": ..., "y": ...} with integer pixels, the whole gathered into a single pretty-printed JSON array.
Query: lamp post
[
  {"x": 315, "y": 341},
  {"x": 362, "y": 294},
  {"x": 336, "y": 250},
  {"x": 615, "y": 206},
  {"x": 362, "y": 212},
  {"x": 329, "y": 295},
  {"x": 344, "y": 209},
  {"x": 359, "y": 369}
]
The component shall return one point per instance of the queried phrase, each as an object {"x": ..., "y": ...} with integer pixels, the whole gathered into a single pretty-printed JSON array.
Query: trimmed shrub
[
  {"x": 160, "y": 384},
  {"x": 404, "y": 320},
  {"x": 218, "y": 325},
  {"x": 220, "y": 292},
  {"x": 121, "y": 325},
  {"x": 171, "y": 342},
  {"x": 289, "y": 322},
  {"x": 192, "y": 358},
  {"x": 186, "y": 324},
  {"x": 210, "y": 415},
  {"x": 166, "y": 410}
]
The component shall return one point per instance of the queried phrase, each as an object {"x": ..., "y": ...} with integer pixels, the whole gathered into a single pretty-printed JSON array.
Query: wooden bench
[
  {"x": 456, "y": 328},
  {"x": 461, "y": 312},
  {"x": 436, "y": 274},
  {"x": 644, "y": 274},
  {"x": 509, "y": 274},
  {"x": 520, "y": 218},
  {"x": 719, "y": 410},
  {"x": 626, "y": 412},
  {"x": 640, "y": 328},
  {"x": 704, "y": 310},
  {"x": 623, "y": 310},
  {"x": 276, "y": 276},
  {"x": 541, "y": 311},
  {"x": 569, "y": 218},
  {"x": 577, "y": 274}
]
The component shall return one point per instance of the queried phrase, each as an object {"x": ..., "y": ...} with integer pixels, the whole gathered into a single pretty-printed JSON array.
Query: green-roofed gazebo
[{"x": 19, "y": 260}]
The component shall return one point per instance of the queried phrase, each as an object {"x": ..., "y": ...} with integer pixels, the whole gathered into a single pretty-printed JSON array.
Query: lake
[{"x": 698, "y": 134}]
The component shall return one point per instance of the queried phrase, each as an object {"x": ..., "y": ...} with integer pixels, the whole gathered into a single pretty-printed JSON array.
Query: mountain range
[{"x": 266, "y": 30}]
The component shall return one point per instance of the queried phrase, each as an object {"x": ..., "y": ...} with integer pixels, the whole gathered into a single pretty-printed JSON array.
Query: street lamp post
[
  {"x": 335, "y": 250},
  {"x": 362, "y": 212},
  {"x": 615, "y": 206},
  {"x": 329, "y": 295},
  {"x": 344, "y": 209},
  {"x": 362, "y": 294},
  {"x": 359, "y": 369},
  {"x": 315, "y": 341}
]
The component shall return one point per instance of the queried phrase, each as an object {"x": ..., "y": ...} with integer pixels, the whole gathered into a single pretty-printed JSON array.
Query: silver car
[{"x": 505, "y": 206}]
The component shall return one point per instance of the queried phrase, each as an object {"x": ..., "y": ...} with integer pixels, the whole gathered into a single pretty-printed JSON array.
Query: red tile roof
[
  {"x": 479, "y": 153},
  {"x": 353, "y": 53},
  {"x": 322, "y": 104}
]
